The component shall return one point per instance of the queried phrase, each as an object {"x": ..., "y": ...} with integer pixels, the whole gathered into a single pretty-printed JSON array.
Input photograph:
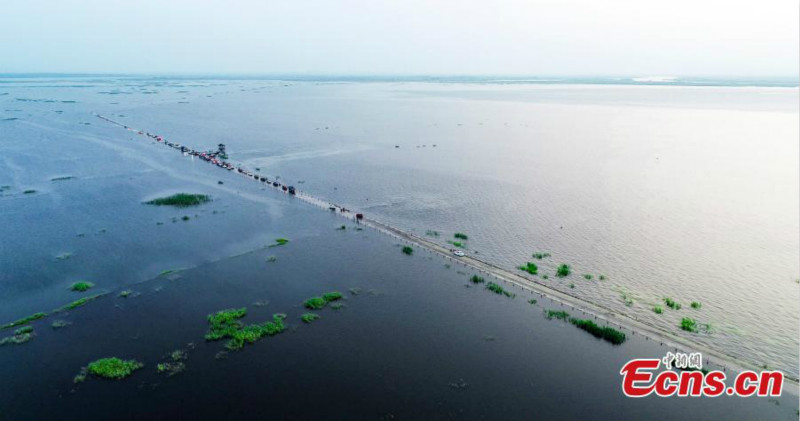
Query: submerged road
[{"x": 598, "y": 312}]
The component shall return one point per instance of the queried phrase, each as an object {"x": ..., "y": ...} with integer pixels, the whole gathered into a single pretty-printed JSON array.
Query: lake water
[{"x": 683, "y": 192}]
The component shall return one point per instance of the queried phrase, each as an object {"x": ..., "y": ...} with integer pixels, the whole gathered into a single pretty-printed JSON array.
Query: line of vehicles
[{"x": 217, "y": 158}]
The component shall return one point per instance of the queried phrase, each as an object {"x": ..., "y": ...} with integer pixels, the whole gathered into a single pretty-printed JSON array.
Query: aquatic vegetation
[
  {"x": 185, "y": 218},
  {"x": 545, "y": 277},
  {"x": 338, "y": 305},
  {"x": 226, "y": 324},
  {"x": 529, "y": 267},
  {"x": 309, "y": 317},
  {"x": 532, "y": 301},
  {"x": 688, "y": 324},
  {"x": 69, "y": 177},
  {"x": 342, "y": 228},
  {"x": 280, "y": 242},
  {"x": 59, "y": 324},
  {"x": 627, "y": 299},
  {"x": 252, "y": 333},
  {"x": 20, "y": 336},
  {"x": 176, "y": 364},
  {"x": 81, "y": 286},
  {"x": 24, "y": 320},
  {"x": 603, "y": 332},
  {"x": 181, "y": 200},
  {"x": 332, "y": 296},
  {"x": 461, "y": 236},
  {"x": 540, "y": 256},
  {"x": 77, "y": 303},
  {"x": 672, "y": 304},
  {"x": 587, "y": 276},
  {"x": 696, "y": 305},
  {"x": 315, "y": 303},
  {"x": 497, "y": 289},
  {"x": 113, "y": 368},
  {"x": 81, "y": 376},
  {"x": 29, "y": 192},
  {"x": 355, "y": 291},
  {"x": 63, "y": 256},
  {"x": 408, "y": 250},
  {"x": 432, "y": 233},
  {"x": 658, "y": 310},
  {"x": 125, "y": 293},
  {"x": 563, "y": 270},
  {"x": 272, "y": 259},
  {"x": 557, "y": 314},
  {"x": 476, "y": 279},
  {"x": 168, "y": 271}
]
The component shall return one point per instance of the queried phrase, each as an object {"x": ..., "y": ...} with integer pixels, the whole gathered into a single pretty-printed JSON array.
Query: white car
[{"x": 458, "y": 253}]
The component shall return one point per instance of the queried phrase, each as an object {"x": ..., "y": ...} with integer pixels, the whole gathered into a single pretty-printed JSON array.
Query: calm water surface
[{"x": 685, "y": 192}]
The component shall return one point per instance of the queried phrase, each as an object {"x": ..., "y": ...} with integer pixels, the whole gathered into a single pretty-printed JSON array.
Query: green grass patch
[
  {"x": 696, "y": 305},
  {"x": 532, "y": 301},
  {"x": 689, "y": 324},
  {"x": 603, "y": 332},
  {"x": 332, "y": 296},
  {"x": 461, "y": 236},
  {"x": 315, "y": 303},
  {"x": 77, "y": 303},
  {"x": 432, "y": 233},
  {"x": 309, "y": 317},
  {"x": 587, "y": 276},
  {"x": 475, "y": 279},
  {"x": 497, "y": 289},
  {"x": 563, "y": 270},
  {"x": 557, "y": 314},
  {"x": 602, "y": 277},
  {"x": 458, "y": 244},
  {"x": 658, "y": 310},
  {"x": 226, "y": 324},
  {"x": 24, "y": 320},
  {"x": 20, "y": 336},
  {"x": 81, "y": 286},
  {"x": 540, "y": 256},
  {"x": 113, "y": 368},
  {"x": 181, "y": 200},
  {"x": 672, "y": 304},
  {"x": 529, "y": 267},
  {"x": 408, "y": 250}
]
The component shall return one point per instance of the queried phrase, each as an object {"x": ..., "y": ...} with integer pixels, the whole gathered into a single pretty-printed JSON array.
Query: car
[{"x": 458, "y": 253}]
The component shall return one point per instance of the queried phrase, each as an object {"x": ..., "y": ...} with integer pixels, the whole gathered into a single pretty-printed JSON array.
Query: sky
[{"x": 415, "y": 37}]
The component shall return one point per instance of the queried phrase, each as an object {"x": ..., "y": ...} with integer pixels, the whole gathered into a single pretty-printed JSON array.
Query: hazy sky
[{"x": 529, "y": 37}]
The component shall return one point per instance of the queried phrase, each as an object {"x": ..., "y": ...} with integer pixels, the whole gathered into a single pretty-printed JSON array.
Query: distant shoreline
[{"x": 626, "y": 80}]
